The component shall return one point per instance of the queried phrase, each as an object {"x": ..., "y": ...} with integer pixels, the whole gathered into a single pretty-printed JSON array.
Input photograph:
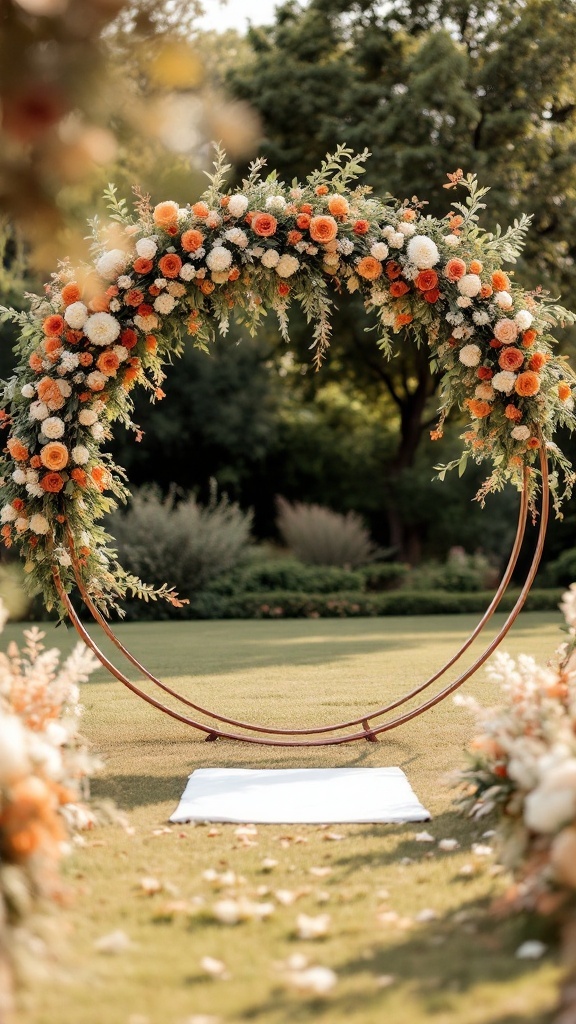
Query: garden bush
[
  {"x": 383, "y": 575},
  {"x": 461, "y": 572},
  {"x": 179, "y": 542},
  {"x": 287, "y": 574},
  {"x": 562, "y": 571},
  {"x": 318, "y": 536}
]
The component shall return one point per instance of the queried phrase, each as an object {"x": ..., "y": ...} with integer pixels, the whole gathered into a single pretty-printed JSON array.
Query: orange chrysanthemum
[
  {"x": 52, "y": 347},
  {"x": 18, "y": 451},
  {"x": 511, "y": 359},
  {"x": 369, "y": 268},
  {"x": 99, "y": 475},
  {"x": 527, "y": 384},
  {"x": 151, "y": 343},
  {"x": 49, "y": 392},
  {"x": 393, "y": 270},
  {"x": 537, "y": 361},
  {"x": 234, "y": 274},
  {"x": 486, "y": 291},
  {"x": 191, "y": 240},
  {"x": 402, "y": 320},
  {"x": 303, "y": 221},
  {"x": 54, "y": 455},
  {"x": 361, "y": 227},
  {"x": 293, "y": 237},
  {"x": 512, "y": 412},
  {"x": 528, "y": 338},
  {"x": 79, "y": 476},
  {"x": 108, "y": 363},
  {"x": 52, "y": 483},
  {"x": 71, "y": 293},
  {"x": 500, "y": 281},
  {"x": 200, "y": 210},
  {"x": 338, "y": 206},
  {"x": 207, "y": 287},
  {"x": 134, "y": 297},
  {"x": 533, "y": 442},
  {"x": 431, "y": 296},
  {"x": 564, "y": 391},
  {"x": 264, "y": 224},
  {"x": 475, "y": 267},
  {"x": 35, "y": 362},
  {"x": 321, "y": 190},
  {"x": 128, "y": 338}
]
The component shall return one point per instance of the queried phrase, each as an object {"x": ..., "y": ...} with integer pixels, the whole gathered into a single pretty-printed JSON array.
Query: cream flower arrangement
[{"x": 179, "y": 273}]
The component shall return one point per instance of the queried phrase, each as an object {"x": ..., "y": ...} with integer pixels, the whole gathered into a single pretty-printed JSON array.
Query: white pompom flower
[
  {"x": 96, "y": 381},
  {"x": 470, "y": 355},
  {"x": 520, "y": 433},
  {"x": 80, "y": 454},
  {"x": 452, "y": 240},
  {"x": 76, "y": 315},
  {"x": 19, "y": 476},
  {"x": 111, "y": 263},
  {"x": 28, "y": 391},
  {"x": 524, "y": 319},
  {"x": 276, "y": 203},
  {"x": 423, "y": 252},
  {"x": 219, "y": 258},
  {"x": 288, "y": 265},
  {"x": 270, "y": 258},
  {"x": 53, "y": 427},
  {"x": 38, "y": 411},
  {"x": 146, "y": 248},
  {"x": 8, "y": 514},
  {"x": 87, "y": 417},
  {"x": 39, "y": 524},
  {"x": 504, "y": 300},
  {"x": 379, "y": 250},
  {"x": 188, "y": 272},
  {"x": 101, "y": 329},
  {"x": 504, "y": 381},
  {"x": 164, "y": 303},
  {"x": 237, "y": 206},
  {"x": 470, "y": 285},
  {"x": 237, "y": 237}
]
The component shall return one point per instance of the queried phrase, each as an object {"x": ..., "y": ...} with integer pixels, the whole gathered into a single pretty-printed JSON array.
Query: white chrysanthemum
[
  {"x": 470, "y": 355},
  {"x": 146, "y": 248},
  {"x": 485, "y": 392},
  {"x": 111, "y": 264},
  {"x": 164, "y": 303},
  {"x": 452, "y": 240},
  {"x": 63, "y": 557},
  {"x": 396, "y": 239},
  {"x": 219, "y": 258},
  {"x": 97, "y": 431},
  {"x": 455, "y": 318},
  {"x": 388, "y": 231},
  {"x": 379, "y": 250},
  {"x": 101, "y": 329},
  {"x": 114, "y": 305},
  {"x": 147, "y": 323},
  {"x": 504, "y": 381},
  {"x": 80, "y": 454},
  {"x": 520, "y": 433},
  {"x": 198, "y": 254},
  {"x": 270, "y": 258},
  {"x": 19, "y": 476},
  {"x": 188, "y": 272},
  {"x": 64, "y": 388},
  {"x": 469, "y": 285},
  {"x": 160, "y": 282},
  {"x": 53, "y": 427},
  {"x": 213, "y": 220},
  {"x": 76, "y": 315},
  {"x": 35, "y": 491},
  {"x": 345, "y": 246},
  {"x": 96, "y": 381},
  {"x": 276, "y": 203},
  {"x": 120, "y": 352},
  {"x": 237, "y": 206},
  {"x": 176, "y": 289},
  {"x": 504, "y": 300},
  {"x": 28, "y": 391},
  {"x": 38, "y": 411},
  {"x": 8, "y": 514},
  {"x": 463, "y": 301},
  {"x": 481, "y": 318},
  {"x": 14, "y": 763},
  {"x": 69, "y": 361},
  {"x": 39, "y": 523},
  {"x": 237, "y": 237},
  {"x": 524, "y": 319},
  {"x": 553, "y": 803},
  {"x": 87, "y": 417},
  {"x": 32, "y": 476},
  {"x": 22, "y": 524},
  {"x": 406, "y": 229},
  {"x": 462, "y": 332},
  {"x": 288, "y": 265},
  {"x": 423, "y": 252},
  {"x": 124, "y": 282}
]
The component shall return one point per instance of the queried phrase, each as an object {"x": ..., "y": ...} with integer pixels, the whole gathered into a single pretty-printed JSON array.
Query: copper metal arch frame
[{"x": 369, "y": 732}]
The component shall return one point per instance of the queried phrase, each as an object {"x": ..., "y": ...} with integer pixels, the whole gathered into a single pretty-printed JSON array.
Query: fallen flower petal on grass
[
  {"x": 531, "y": 950},
  {"x": 318, "y": 981},
  {"x": 150, "y": 886},
  {"x": 215, "y": 968},
  {"x": 233, "y": 911},
  {"x": 424, "y": 837},
  {"x": 313, "y": 927},
  {"x": 481, "y": 850},
  {"x": 426, "y": 915},
  {"x": 113, "y": 943},
  {"x": 320, "y": 872},
  {"x": 268, "y": 864},
  {"x": 448, "y": 845}
]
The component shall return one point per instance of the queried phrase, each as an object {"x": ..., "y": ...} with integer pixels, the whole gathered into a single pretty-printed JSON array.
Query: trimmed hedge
[
  {"x": 286, "y": 574},
  {"x": 286, "y": 604}
]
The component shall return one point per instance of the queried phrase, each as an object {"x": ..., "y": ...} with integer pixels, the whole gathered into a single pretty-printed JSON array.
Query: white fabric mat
[{"x": 299, "y": 796}]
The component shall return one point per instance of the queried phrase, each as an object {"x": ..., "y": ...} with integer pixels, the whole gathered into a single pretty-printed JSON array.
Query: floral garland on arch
[{"x": 170, "y": 271}]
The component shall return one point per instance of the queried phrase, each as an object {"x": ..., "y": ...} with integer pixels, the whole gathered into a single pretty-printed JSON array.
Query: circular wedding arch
[{"x": 107, "y": 326}]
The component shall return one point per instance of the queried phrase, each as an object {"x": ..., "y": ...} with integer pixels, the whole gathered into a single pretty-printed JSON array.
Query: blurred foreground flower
[{"x": 44, "y": 769}]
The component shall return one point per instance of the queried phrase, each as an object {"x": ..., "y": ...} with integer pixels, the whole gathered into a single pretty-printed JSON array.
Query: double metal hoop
[{"x": 366, "y": 727}]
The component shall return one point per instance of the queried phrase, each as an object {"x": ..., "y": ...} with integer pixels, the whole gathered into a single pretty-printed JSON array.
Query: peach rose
[
  {"x": 527, "y": 384},
  {"x": 108, "y": 363},
  {"x": 338, "y": 206},
  {"x": 191, "y": 240},
  {"x": 426, "y": 280},
  {"x": 54, "y": 455},
  {"x": 455, "y": 269},
  {"x": 166, "y": 215},
  {"x": 142, "y": 265},
  {"x": 369, "y": 268},
  {"x": 506, "y": 331},
  {"x": 264, "y": 224},
  {"x": 478, "y": 408},
  {"x": 170, "y": 265},
  {"x": 510, "y": 359}
]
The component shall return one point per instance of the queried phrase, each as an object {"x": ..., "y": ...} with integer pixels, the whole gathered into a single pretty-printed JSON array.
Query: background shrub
[
  {"x": 384, "y": 575},
  {"x": 287, "y": 574},
  {"x": 461, "y": 572},
  {"x": 562, "y": 571},
  {"x": 318, "y": 536},
  {"x": 179, "y": 542}
]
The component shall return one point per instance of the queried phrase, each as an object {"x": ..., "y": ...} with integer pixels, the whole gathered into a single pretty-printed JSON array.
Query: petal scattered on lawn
[
  {"x": 426, "y": 915},
  {"x": 215, "y": 968},
  {"x": 285, "y": 896},
  {"x": 424, "y": 837},
  {"x": 268, "y": 864},
  {"x": 114, "y": 943},
  {"x": 161, "y": 831},
  {"x": 385, "y": 980},
  {"x": 448, "y": 845},
  {"x": 246, "y": 831},
  {"x": 320, "y": 872},
  {"x": 334, "y": 837},
  {"x": 531, "y": 950},
  {"x": 312, "y": 927},
  {"x": 150, "y": 886},
  {"x": 317, "y": 981},
  {"x": 233, "y": 911},
  {"x": 212, "y": 832},
  {"x": 481, "y": 850}
]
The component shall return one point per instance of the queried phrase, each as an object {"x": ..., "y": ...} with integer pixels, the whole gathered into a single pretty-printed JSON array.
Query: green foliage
[
  {"x": 163, "y": 538},
  {"x": 319, "y": 536},
  {"x": 562, "y": 571},
  {"x": 383, "y": 575},
  {"x": 287, "y": 574},
  {"x": 460, "y": 573}
]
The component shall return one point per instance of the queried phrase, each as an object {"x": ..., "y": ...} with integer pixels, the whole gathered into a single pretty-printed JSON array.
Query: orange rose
[
  {"x": 52, "y": 483},
  {"x": 52, "y": 347},
  {"x": 431, "y": 296},
  {"x": 369, "y": 268},
  {"x": 484, "y": 373},
  {"x": 170, "y": 265},
  {"x": 108, "y": 363},
  {"x": 234, "y": 274},
  {"x": 512, "y": 412},
  {"x": 128, "y": 338},
  {"x": 338, "y": 206},
  {"x": 293, "y": 237},
  {"x": 475, "y": 267},
  {"x": 142, "y": 266},
  {"x": 455, "y": 269},
  {"x": 303, "y": 221},
  {"x": 18, "y": 504},
  {"x": 306, "y": 208},
  {"x": 402, "y": 320},
  {"x": 49, "y": 392},
  {"x": 166, "y": 215},
  {"x": 191, "y": 240},
  {"x": 200, "y": 210},
  {"x": 207, "y": 287},
  {"x": 398, "y": 288},
  {"x": 500, "y": 281},
  {"x": 537, "y": 361},
  {"x": 283, "y": 288},
  {"x": 73, "y": 337},
  {"x": 426, "y": 280},
  {"x": 85, "y": 359},
  {"x": 527, "y": 384},
  {"x": 361, "y": 227},
  {"x": 54, "y": 455},
  {"x": 264, "y": 224},
  {"x": 564, "y": 391},
  {"x": 478, "y": 408},
  {"x": 70, "y": 293},
  {"x": 533, "y": 442},
  {"x": 134, "y": 297},
  {"x": 511, "y": 359},
  {"x": 393, "y": 270},
  {"x": 18, "y": 451},
  {"x": 528, "y": 338},
  {"x": 53, "y": 324}
]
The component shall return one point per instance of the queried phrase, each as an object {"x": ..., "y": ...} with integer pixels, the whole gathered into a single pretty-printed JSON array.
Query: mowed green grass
[{"x": 458, "y": 968}]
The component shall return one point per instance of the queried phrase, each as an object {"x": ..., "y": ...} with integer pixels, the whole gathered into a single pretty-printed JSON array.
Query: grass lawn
[{"x": 455, "y": 966}]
